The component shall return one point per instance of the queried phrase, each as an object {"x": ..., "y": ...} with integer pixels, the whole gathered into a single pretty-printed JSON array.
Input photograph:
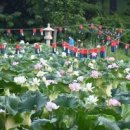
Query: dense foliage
[{"x": 49, "y": 91}]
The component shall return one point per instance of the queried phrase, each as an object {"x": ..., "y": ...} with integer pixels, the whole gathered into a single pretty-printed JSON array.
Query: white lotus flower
[
  {"x": 40, "y": 73},
  {"x": 27, "y": 43},
  {"x": 63, "y": 54},
  {"x": 20, "y": 79},
  {"x": 98, "y": 46},
  {"x": 43, "y": 62},
  {"x": 11, "y": 56},
  {"x": 75, "y": 60},
  {"x": 32, "y": 57},
  {"x": 43, "y": 79},
  {"x": 91, "y": 99},
  {"x": 50, "y": 106},
  {"x": 22, "y": 42},
  {"x": 93, "y": 61},
  {"x": 22, "y": 51},
  {"x": 57, "y": 52},
  {"x": 5, "y": 56},
  {"x": 70, "y": 70},
  {"x": 80, "y": 78},
  {"x": 2, "y": 111},
  {"x": 127, "y": 70},
  {"x": 88, "y": 87},
  {"x": 48, "y": 68},
  {"x": 91, "y": 65},
  {"x": 76, "y": 73},
  {"x": 51, "y": 58},
  {"x": 48, "y": 82},
  {"x": 35, "y": 82},
  {"x": 15, "y": 63}
]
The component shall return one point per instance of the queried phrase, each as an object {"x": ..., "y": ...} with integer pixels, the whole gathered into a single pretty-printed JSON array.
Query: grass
[{"x": 119, "y": 54}]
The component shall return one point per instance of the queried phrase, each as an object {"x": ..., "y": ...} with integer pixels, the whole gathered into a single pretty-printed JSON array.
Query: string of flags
[
  {"x": 113, "y": 42},
  {"x": 91, "y": 27}
]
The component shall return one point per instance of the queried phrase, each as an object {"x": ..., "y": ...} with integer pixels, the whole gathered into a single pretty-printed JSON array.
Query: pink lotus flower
[
  {"x": 94, "y": 54},
  {"x": 38, "y": 66},
  {"x": 110, "y": 59},
  {"x": 50, "y": 106},
  {"x": 128, "y": 77},
  {"x": 113, "y": 102},
  {"x": 113, "y": 65},
  {"x": 95, "y": 74},
  {"x": 74, "y": 87}
]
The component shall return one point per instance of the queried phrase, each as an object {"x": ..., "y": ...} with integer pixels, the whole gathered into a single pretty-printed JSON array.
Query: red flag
[
  {"x": 21, "y": 32},
  {"x": 34, "y": 31},
  {"x": 8, "y": 31},
  {"x": 41, "y": 31}
]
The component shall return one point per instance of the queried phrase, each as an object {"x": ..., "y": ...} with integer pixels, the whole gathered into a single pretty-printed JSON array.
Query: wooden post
[{"x": 55, "y": 35}]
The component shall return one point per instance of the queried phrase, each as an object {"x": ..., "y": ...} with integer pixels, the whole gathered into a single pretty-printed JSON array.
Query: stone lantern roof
[{"x": 48, "y": 28}]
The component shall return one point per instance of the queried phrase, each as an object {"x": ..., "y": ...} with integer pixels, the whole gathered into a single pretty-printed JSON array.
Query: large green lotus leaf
[
  {"x": 2, "y": 102},
  {"x": 109, "y": 122},
  {"x": 39, "y": 124},
  {"x": 85, "y": 121},
  {"x": 124, "y": 97},
  {"x": 128, "y": 85},
  {"x": 60, "y": 87},
  {"x": 13, "y": 87},
  {"x": 65, "y": 100},
  {"x": 125, "y": 112},
  {"x": 12, "y": 103},
  {"x": 32, "y": 100},
  {"x": 6, "y": 76},
  {"x": 124, "y": 125},
  {"x": 105, "y": 110}
]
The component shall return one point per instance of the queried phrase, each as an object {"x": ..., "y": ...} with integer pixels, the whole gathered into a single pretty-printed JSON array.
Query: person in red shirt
[
  {"x": 126, "y": 48},
  {"x": 108, "y": 40},
  {"x": 54, "y": 45},
  {"x": 81, "y": 53},
  {"x": 2, "y": 48},
  {"x": 64, "y": 45},
  {"x": 102, "y": 52},
  {"x": 18, "y": 47},
  {"x": 85, "y": 53},
  {"x": 113, "y": 46}
]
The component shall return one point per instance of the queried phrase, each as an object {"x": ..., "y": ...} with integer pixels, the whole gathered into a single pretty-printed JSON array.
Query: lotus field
[{"x": 57, "y": 92}]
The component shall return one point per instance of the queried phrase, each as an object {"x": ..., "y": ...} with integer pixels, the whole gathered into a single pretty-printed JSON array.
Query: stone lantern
[{"x": 48, "y": 34}]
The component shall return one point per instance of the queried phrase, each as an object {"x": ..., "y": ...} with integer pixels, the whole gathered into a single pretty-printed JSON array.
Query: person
[{"x": 71, "y": 41}]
